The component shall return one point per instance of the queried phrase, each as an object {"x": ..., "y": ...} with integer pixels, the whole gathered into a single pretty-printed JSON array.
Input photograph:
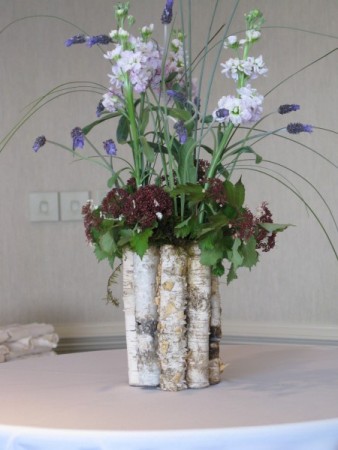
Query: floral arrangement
[{"x": 176, "y": 187}]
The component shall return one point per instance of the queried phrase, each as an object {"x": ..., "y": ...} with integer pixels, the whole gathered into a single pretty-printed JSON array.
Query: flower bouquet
[{"x": 175, "y": 213}]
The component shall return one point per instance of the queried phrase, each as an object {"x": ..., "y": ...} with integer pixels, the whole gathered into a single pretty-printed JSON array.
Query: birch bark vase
[{"x": 173, "y": 318}]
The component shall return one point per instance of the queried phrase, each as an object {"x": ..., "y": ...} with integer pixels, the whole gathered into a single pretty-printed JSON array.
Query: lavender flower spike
[
  {"x": 100, "y": 108},
  {"x": 78, "y": 138},
  {"x": 110, "y": 147},
  {"x": 102, "y": 39},
  {"x": 78, "y": 39},
  {"x": 167, "y": 14},
  {"x": 296, "y": 128},
  {"x": 284, "y": 109},
  {"x": 38, "y": 143},
  {"x": 177, "y": 96},
  {"x": 181, "y": 131}
]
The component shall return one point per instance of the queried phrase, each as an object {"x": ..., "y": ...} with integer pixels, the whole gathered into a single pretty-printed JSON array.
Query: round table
[{"x": 271, "y": 396}]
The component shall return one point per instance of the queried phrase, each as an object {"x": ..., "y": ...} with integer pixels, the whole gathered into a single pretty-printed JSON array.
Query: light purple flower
[
  {"x": 167, "y": 14},
  {"x": 110, "y": 147},
  {"x": 78, "y": 138},
  {"x": 284, "y": 109},
  {"x": 39, "y": 142},
  {"x": 296, "y": 128}
]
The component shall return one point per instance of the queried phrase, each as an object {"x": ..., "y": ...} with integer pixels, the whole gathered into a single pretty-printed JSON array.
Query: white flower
[
  {"x": 159, "y": 215},
  {"x": 252, "y": 35},
  {"x": 251, "y": 67},
  {"x": 230, "y": 42},
  {"x": 253, "y": 101}
]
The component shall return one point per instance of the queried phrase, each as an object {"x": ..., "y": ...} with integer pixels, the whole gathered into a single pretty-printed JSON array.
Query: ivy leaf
[
  {"x": 125, "y": 237},
  {"x": 234, "y": 255},
  {"x": 187, "y": 227},
  {"x": 107, "y": 243},
  {"x": 250, "y": 253},
  {"x": 139, "y": 241},
  {"x": 235, "y": 193},
  {"x": 99, "y": 253},
  {"x": 210, "y": 257},
  {"x": 232, "y": 275}
]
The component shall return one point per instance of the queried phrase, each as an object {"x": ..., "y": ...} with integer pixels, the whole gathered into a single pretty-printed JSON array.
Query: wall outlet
[
  {"x": 43, "y": 207},
  {"x": 71, "y": 204}
]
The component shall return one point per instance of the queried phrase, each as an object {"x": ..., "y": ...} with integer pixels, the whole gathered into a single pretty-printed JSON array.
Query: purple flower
[
  {"x": 99, "y": 109},
  {"x": 78, "y": 138},
  {"x": 222, "y": 113},
  {"x": 177, "y": 96},
  {"x": 100, "y": 39},
  {"x": 78, "y": 39},
  {"x": 284, "y": 109},
  {"x": 181, "y": 131},
  {"x": 39, "y": 142},
  {"x": 167, "y": 14},
  {"x": 296, "y": 128},
  {"x": 110, "y": 147}
]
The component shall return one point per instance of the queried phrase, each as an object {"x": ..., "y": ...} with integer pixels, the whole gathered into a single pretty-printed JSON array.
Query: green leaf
[
  {"x": 274, "y": 227},
  {"x": 147, "y": 150},
  {"x": 144, "y": 120},
  {"x": 107, "y": 243},
  {"x": 234, "y": 256},
  {"x": 139, "y": 241},
  {"x": 187, "y": 227},
  {"x": 249, "y": 253},
  {"x": 232, "y": 275},
  {"x": 125, "y": 237},
  {"x": 210, "y": 257},
  {"x": 235, "y": 193},
  {"x": 86, "y": 129},
  {"x": 99, "y": 253},
  {"x": 122, "y": 131},
  {"x": 246, "y": 149}
]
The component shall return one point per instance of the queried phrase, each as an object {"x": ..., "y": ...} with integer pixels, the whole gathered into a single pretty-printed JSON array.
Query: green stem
[{"x": 129, "y": 98}]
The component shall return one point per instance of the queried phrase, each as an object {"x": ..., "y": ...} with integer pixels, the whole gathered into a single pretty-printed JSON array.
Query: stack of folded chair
[{"x": 18, "y": 341}]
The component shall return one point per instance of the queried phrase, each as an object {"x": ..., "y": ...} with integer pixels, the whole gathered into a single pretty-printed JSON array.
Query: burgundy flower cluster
[
  {"x": 216, "y": 191},
  {"x": 247, "y": 225},
  {"x": 265, "y": 240},
  {"x": 144, "y": 207},
  {"x": 91, "y": 219}
]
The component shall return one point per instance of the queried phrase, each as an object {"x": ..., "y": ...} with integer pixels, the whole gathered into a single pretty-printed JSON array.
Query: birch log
[
  {"x": 215, "y": 332},
  {"x": 198, "y": 314},
  {"x": 145, "y": 272},
  {"x": 172, "y": 347},
  {"x": 129, "y": 314}
]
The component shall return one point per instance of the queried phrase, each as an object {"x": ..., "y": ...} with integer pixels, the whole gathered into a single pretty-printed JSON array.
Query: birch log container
[{"x": 172, "y": 318}]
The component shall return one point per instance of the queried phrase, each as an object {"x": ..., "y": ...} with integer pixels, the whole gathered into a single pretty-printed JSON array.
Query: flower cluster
[{"x": 179, "y": 186}]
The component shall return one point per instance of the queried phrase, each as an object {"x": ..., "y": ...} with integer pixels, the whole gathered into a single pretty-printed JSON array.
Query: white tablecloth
[{"x": 272, "y": 397}]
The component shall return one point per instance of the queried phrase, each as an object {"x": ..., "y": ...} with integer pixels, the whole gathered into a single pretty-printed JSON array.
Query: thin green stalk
[{"x": 304, "y": 202}]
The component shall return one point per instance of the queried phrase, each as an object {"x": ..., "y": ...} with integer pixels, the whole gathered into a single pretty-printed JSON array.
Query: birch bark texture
[
  {"x": 172, "y": 298},
  {"x": 198, "y": 314},
  {"x": 145, "y": 272},
  {"x": 215, "y": 364},
  {"x": 173, "y": 318}
]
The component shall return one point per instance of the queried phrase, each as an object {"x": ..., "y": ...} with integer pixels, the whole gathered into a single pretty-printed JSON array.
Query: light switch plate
[
  {"x": 43, "y": 207},
  {"x": 71, "y": 204}
]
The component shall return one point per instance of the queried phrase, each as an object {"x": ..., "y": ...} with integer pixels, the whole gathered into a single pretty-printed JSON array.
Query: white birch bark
[
  {"x": 215, "y": 364},
  {"x": 198, "y": 318},
  {"x": 172, "y": 292},
  {"x": 129, "y": 314},
  {"x": 145, "y": 272}
]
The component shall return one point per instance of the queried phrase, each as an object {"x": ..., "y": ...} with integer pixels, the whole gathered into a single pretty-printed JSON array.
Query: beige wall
[{"x": 47, "y": 271}]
